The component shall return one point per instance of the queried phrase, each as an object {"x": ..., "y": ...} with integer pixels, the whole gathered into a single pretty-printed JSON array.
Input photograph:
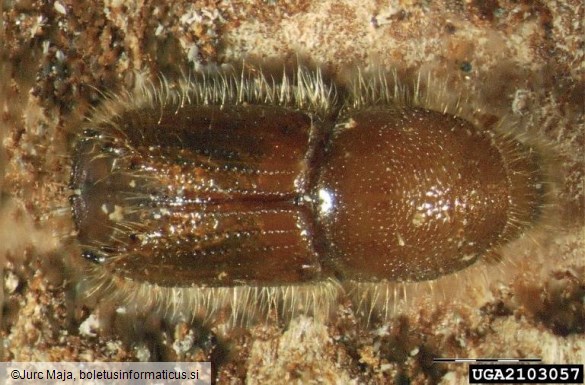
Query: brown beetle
[{"x": 243, "y": 181}]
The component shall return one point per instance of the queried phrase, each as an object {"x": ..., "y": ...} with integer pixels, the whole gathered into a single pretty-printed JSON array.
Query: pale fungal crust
[
  {"x": 303, "y": 90},
  {"x": 512, "y": 46}
]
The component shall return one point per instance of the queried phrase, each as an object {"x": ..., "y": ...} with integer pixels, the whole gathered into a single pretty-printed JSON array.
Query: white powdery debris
[
  {"x": 142, "y": 353},
  {"x": 11, "y": 282},
  {"x": 89, "y": 327},
  {"x": 183, "y": 345}
]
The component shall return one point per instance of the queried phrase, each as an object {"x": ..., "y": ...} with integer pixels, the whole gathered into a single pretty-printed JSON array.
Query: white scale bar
[{"x": 464, "y": 360}]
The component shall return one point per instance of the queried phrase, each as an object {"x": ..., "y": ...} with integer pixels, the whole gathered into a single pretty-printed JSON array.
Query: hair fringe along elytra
[{"x": 302, "y": 90}]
